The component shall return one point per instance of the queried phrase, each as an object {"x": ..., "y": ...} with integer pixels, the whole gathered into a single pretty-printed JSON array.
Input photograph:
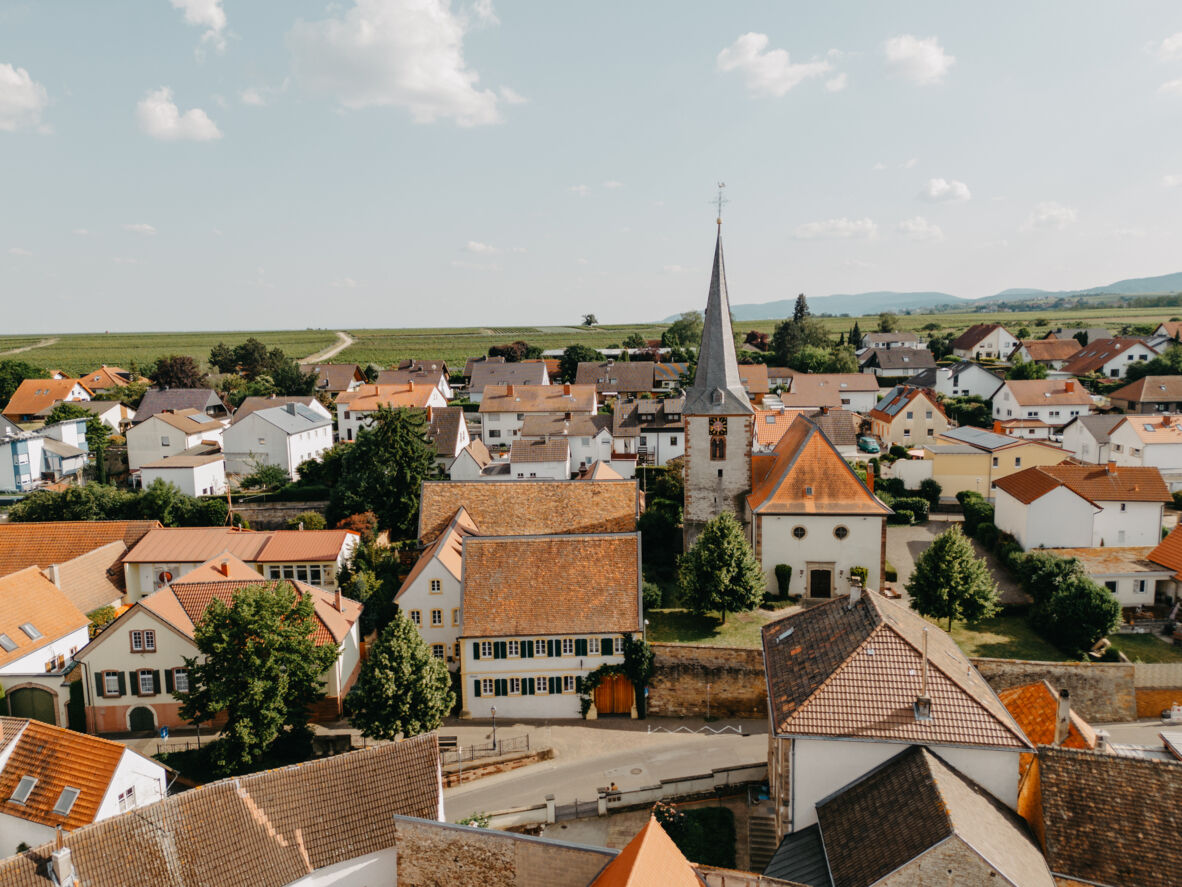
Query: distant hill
[{"x": 885, "y": 300}]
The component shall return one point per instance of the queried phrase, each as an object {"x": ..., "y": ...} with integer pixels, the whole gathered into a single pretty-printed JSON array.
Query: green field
[{"x": 382, "y": 347}]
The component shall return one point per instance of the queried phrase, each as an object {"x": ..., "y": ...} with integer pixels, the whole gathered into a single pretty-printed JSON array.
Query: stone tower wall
[{"x": 707, "y": 494}]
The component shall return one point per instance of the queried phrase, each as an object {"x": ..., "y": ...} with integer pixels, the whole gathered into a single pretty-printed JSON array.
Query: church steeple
[{"x": 717, "y": 388}]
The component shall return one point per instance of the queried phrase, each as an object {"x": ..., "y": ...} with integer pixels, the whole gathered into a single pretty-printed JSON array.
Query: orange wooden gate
[{"x": 613, "y": 696}]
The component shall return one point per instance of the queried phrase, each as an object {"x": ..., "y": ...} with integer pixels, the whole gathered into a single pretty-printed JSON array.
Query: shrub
[
  {"x": 968, "y": 495},
  {"x": 901, "y": 516},
  {"x": 976, "y": 512},
  {"x": 931, "y": 490},
  {"x": 898, "y": 451},
  {"x": 311, "y": 520},
  {"x": 1010, "y": 554},
  {"x": 651, "y": 593},
  {"x": 783, "y": 578},
  {"x": 917, "y": 506},
  {"x": 986, "y": 534},
  {"x": 1177, "y": 496},
  {"x": 265, "y": 477},
  {"x": 365, "y": 523},
  {"x": 892, "y": 485},
  {"x": 862, "y": 573},
  {"x": 889, "y": 573}
]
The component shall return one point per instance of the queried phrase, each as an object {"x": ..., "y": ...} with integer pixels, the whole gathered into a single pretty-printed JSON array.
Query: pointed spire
[{"x": 717, "y": 388}]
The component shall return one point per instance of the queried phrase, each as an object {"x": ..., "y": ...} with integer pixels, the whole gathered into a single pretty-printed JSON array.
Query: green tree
[
  {"x": 792, "y": 335},
  {"x": 13, "y": 372},
  {"x": 969, "y": 410},
  {"x": 720, "y": 572},
  {"x": 856, "y": 336},
  {"x": 1168, "y": 363},
  {"x": 1076, "y": 614},
  {"x": 888, "y": 322},
  {"x": 572, "y": 356},
  {"x": 590, "y": 320},
  {"x": 951, "y": 582},
  {"x": 221, "y": 358},
  {"x": 801, "y": 309},
  {"x": 1024, "y": 332},
  {"x": 257, "y": 662},
  {"x": 178, "y": 371},
  {"x": 686, "y": 331},
  {"x": 251, "y": 358},
  {"x": 306, "y": 520},
  {"x": 402, "y": 688},
  {"x": 940, "y": 346},
  {"x": 267, "y": 477},
  {"x": 98, "y": 433},
  {"x": 1026, "y": 369},
  {"x": 383, "y": 471},
  {"x": 635, "y": 340}
]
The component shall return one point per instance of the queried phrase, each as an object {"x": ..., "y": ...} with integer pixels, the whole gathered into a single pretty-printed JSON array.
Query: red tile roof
[
  {"x": 1094, "y": 355},
  {"x": 1169, "y": 552},
  {"x": 296, "y": 546},
  {"x": 538, "y": 399},
  {"x": 650, "y": 859},
  {"x": 194, "y": 545},
  {"x": 1151, "y": 389},
  {"x": 1054, "y": 392},
  {"x": 27, "y": 597},
  {"x": 974, "y": 334},
  {"x": 1096, "y": 483},
  {"x": 34, "y": 395},
  {"x": 1049, "y": 349},
  {"x": 369, "y": 397},
  {"x": 888, "y": 411},
  {"x": 1036, "y": 709},
  {"x": 55, "y": 542}
]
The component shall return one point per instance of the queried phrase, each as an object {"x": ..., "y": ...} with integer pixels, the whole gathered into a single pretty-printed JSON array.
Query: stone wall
[
  {"x": 273, "y": 515},
  {"x": 681, "y": 673},
  {"x": 1152, "y": 701},
  {"x": 1101, "y": 692}
]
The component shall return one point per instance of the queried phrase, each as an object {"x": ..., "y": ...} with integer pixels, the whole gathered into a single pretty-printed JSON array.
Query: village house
[
  {"x": 849, "y": 391},
  {"x": 969, "y": 458},
  {"x": 1086, "y": 334},
  {"x": 909, "y": 417},
  {"x": 890, "y": 341},
  {"x": 106, "y": 378},
  {"x": 1150, "y": 441},
  {"x": 589, "y": 437},
  {"x": 964, "y": 379},
  {"x": 754, "y": 379},
  {"x": 1129, "y": 572},
  {"x": 471, "y": 461},
  {"x": 52, "y": 454},
  {"x": 648, "y": 431},
  {"x": 504, "y": 408},
  {"x": 447, "y": 429},
  {"x": 1110, "y": 358},
  {"x": 421, "y": 372},
  {"x": 1149, "y": 394},
  {"x": 1046, "y": 405},
  {"x": 540, "y": 459},
  {"x": 669, "y": 376},
  {"x": 200, "y": 471},
  {"x": 355, "y": 408},
  {"x": 56, "y": 781},
  {"x": 115, "y": 415},
  {"x": 178, "y": 400},
  {"x": 501, "y": 373},
  {"x": 1081, "y": 506},
  {"x": 988, "y": 341},
  {"x": 810, "y": 511},
  {"x": 169, "y": 433},
  {"x": 40, "y": 631},
  {"x": 132, "y": 670},
  {"x": 252, "y": 404},
  {"x": 612, "y": 379},
  {"x": 524, "y": 650},
  {"x": 286, "y": 436},
  {"x": 34, "y": 398},
  {"x": 335, "y": 379},
  {"x": 1052, "y": 352},
  {"x": 899, "y": 363},
  {"x": 1168, "y": 554},
  {"x": 853, "y": 682},
  {"x": 312, "y": 556},
  {"x": 1086, "y": 437}
]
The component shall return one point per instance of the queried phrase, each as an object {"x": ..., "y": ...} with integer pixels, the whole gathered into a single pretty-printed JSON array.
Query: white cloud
[
  {"x": 861, "y": 264},
  {"x": 1171, "y": 47},
  {"x": 347, "y": 283},
  {"x": 612, "y": 184},
  {"x": 1172, "y": 87},
  {"x": 910, "y": 164},
  {"x": 405, "y": 53},
  {"x": 837, "y": 84},
  {"x": 252, "y": 96},
  {"x": 484, "y": 12},
  {"x": 1129, "y": 233},
  {"x": 1049, "y": 216},
  {"x": 511, "y": 96},
  {"x": 836, "y": 228},
  {"x": 474, "y": 266},
  {"x": 945, "y": 191},
  {"x": 206, "y": 14},
  {"x": 140, "y": 228},
  {"x": 22, "y": 99},
  {"x": 1172, "y": 181},
  {"x": 481, "y": 249},
  {"x": 919, "y": 228},
  {"x": 581, "y": 190},
  {"x": 519, "y": 249},
  {"x": 768, "y": 72},
  {"x": 19, "y": 251},
  {"x": 879, "y": 167},
  {"x": 922, "y": 61},
  {"x": 161, "y": 119}
]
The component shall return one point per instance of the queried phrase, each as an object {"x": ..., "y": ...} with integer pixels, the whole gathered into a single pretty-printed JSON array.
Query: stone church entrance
[{"x": 820, "y": 580}]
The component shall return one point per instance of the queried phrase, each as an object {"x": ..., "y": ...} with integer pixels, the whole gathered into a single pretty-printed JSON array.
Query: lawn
[
  {"x": 1145, "y": 648},
  {"x": 1003, "y": 637},
  {"x": 684, "y": 627}
]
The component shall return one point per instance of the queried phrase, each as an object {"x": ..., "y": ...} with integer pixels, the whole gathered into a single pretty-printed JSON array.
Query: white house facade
[
  {"x": 167, "y": 434},
  {"x": 193, "y": 475},
  {"x": 285, "y": 436}
]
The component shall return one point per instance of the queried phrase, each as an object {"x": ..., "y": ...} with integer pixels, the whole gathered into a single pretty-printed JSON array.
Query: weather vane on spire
[{"x": 721, "y": 201}]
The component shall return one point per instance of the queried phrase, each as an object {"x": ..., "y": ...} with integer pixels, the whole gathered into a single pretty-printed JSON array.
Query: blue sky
[{"x": 198, "y": 164}]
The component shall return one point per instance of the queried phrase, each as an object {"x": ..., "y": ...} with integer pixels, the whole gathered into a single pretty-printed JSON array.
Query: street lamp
[{"x": 494, "y": 720}]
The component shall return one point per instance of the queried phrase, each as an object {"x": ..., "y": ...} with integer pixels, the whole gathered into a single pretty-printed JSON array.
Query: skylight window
[
  {"x": 24, "y": 788},
  {"x": 1149, "y": 427},
  {"x": 32, "y": 632},
  {"x": 7, "y": 643},
  {"x": 65, "y": 801}
]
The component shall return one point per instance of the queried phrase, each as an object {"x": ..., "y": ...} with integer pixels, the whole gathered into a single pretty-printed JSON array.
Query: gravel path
[
  {"x": 42, "y": 344},
  {"x": 344, "y": 340}
]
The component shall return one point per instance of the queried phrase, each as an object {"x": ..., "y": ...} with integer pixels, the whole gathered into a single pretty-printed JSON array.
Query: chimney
[
  {"x": 340, "y": 602},
  {"x": 870, "y": 477},
  {"x": 1062, "y": 717},
  {"x": 566, "y": 388},
  {"x": 54, "y": 575},
  {"x": 923, "y": 702},
  {"x": 224, "y": 568},
  {"x": 61, "y": 864},
  {"x": 855, "y": 589},
  {"x": 1069, "y": 386},
  {"x": 997, "y": 427},
  {"x": 412, "y": 386},
  {"x": 509, "y": 390},
  {"x": 1110, "y": 467},
  {"x": 824, "y": 411},
  {"x": 1102, "y": 741},
  {"x": 290, "y": 407},
  {"x": 429, "y": 412}
]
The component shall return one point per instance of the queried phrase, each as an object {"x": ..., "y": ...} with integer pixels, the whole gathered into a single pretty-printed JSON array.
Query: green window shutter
[
  {"x": 527, "y": 649},
  {"x": 98, "y": 683},
  {"x": 476, "y": 652},
  {"x": 606, "y": 647},
  {"x": 580, "y": 646},
  {"x": 500, "y": 650},
  {"x": 554, "y": 685},
  {"x": 476, "y": 687},
  {"x": 155, "y": 680},
  {"x": 122, "y": 683},
  {"x": 500, "y": 687},
  {"x": 527, "y": 687},
  {"x": 168, "y": 680},
  {"x": 550, "y": 648}
]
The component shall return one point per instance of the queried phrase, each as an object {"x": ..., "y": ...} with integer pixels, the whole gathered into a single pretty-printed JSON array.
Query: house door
[
  {"x": 613, "y": 696},
  {"x": 141, "y": 720},
  {"x": 820, "y": 582},
  {"x": 34, "y": 703}
]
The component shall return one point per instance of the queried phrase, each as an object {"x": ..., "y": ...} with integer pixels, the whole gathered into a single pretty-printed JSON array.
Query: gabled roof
[
  {"x": 1151, "y": 389},
  {"x": 186, "y": 421},
  {"x": 419, "y": 375},
  {"x": 845, "y": 670},
  {"x": 1048, "y": 392},
  {"x": 612, "y": 376},
  {"x": 55, "y": 542},
  {"x": 106, "y": 377},
  {"x": 771, "y": 425},
  {"x": 754, "y": 378},
  {"x": 253, "y": 404},
  {"x": 975, "y": 334},
  {"x": 265, "y": 829},
  {"x": 1035, "y": 707},
  {"x": 448, "y": 549},
  {"x": 93, "y": 579},
  {"x": 869, "y": 340},
  {"x": 1094, "y": 355},
  {"x": 294, "y": 418},
  {"x": 800, "y": 859},
  {"x": 158, "y": 400},
  {"x": 907, "y": 806},
  {"x": 1043, "y": 350},
  {"x": 478, "y": 451},
  {"x": 334, "y": 377},
  {"x": 807, "y": 475},
  {"x": 58, "y": 759},
  {"x": 186, "y": 461},
  {"x": 443, "y": 429},
  {"x": 490, "y": 372},
  {"x": 600, "y": 470},
  {"x": 531, "y": 507},
  {"x": 1153, "y": 429},
  {"x": 1168, "y": 553},
  {"x": 556, "y": 450},
  {"x": 840, "y": 426},
  {"x": 294, "y": 546},
  {"x": 1095, "y": 483},
  {"x": 1099, "y": 812},
  {"x": 34, "y": 395},
  {"x": 650, "y": 859},
  {"x": 538, "y": 399},
  {"x": 472, "y": 362},
  {"x": 1171, "y": 328},
  {"x": 523, "y": 585},
  {"x": 899, "y": 397},
  {"x": 717, "y": 388},
  {"x": 578, "y": 425},
  {"x": 194, "y": 545},
  {"x": 369, "y": 397},
  {"x": 1099, "y": 426},
  {"x": 805, "y": 383},
  {"x": 899, "y": 358},
  {"x": 27, "y": 598}
]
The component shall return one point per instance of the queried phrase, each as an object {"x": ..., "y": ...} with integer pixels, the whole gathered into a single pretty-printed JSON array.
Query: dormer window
[
  {"x": 923, "y": 708},
  {"x": 24, "y": 788}
]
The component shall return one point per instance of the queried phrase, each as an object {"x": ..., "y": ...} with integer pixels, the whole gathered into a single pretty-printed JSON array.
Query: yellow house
[
  {"x": 910, "y": 417},
  {"x": 969, "y": 458}
]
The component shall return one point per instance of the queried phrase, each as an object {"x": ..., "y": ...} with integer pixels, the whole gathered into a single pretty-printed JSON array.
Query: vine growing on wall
[{"x": 637, "y": 667}]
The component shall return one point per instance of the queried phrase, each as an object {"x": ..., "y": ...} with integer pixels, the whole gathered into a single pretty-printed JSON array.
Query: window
[
  {"x": 673, "y": 440},
  {"x": 314, "y": 574},
  {"x": 24, "y": 788},
  {"x": 543, "y": 686},
  {"x": 274, "y": 573},
  {"x": 1139, "y": 586},
  {"x": 486, "y": 650},
  {"x": 928, "y": 415},
  {"x": 1017, "y": 461},
  {"x": 841, "y": 532},
  {"x": 455, "y": 616},
  {"x": 7, "y": 643},
  {"x": 494, "y": 432},
  {"x": 436, "y": 618},
  {"x": 65, "y": 801},
  {"x": 995, "y": 461},
  {"x": 416, "y": 617},
  {"x": 514, "y": 649},
  {"x": 146, "y": 682},
  {"x": 907, "y": 432},
  {"x": 1124, "y": 507},
  {"x": 437, "y": 651},
  {"x": 539, "y": 648},
  {"x": 32, "y": 632},
  {"x": 111, "y": 683},
  {"x": 910, "y": 414},
  {"x": 486, "y": 687},
  {"x": 514, "y": 686},
  {"x": 456, "y": 650},
  {"x": 127, "y": 800},
  {"x": 288, "y": 571},
  {"x": 568, "y": 683},
  {"x": 436, "y": 586},
  {"x": 164, "y": 442},
  {"x": 799, "y": 532},
  {"x": 180, "y": 680},
  {"x": 568, "y": 647},
  {"x": 143, "y": 641}
]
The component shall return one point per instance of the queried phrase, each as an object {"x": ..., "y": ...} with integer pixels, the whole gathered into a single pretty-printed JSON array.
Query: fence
[{"x": 501, "y": 747}]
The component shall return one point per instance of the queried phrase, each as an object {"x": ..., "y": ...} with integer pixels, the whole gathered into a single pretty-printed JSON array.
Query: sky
[{"x": 219, "y": 164}]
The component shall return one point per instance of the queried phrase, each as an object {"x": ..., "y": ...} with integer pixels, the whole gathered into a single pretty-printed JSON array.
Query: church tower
[{"x": 719, "y": 419}]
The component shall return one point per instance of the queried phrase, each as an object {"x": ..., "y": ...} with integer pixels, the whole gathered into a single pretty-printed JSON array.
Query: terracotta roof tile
[
  {"x": 841, "y": 670},
  {"x": 55, "y": 542},
  {"x": 420, "y": 375},
  {"x": 538, "y": 399},
  {"x": 1036, "y": 709},
  {"x": 448, "y": 549},
  {"x": 1052, "y": 392},
  {"x": 531, "y": 507},
  {"x": 334, "y": 377},
  {"x": 187, "y": 421},
  {"x": 809, "y": 476},
  {"x": 754, "y": 376},
  {"x": 974, "y": 334},
  {"x": 288, "y": 546},
  {"x": 556, "y": 450},
  {"x": 59, "y": 759},
  {"x": 369, "y": 397},
  {"x": 1150, "y": 389},
  {"x": 1168, "y": 553},
  {"x": 650, "y": 859},
  {"x": 490, "y": 372},
  {"x": 770, "y": 425},
  {"x": 900, "y": 397},
  {"x": 34, "y": 395},
  {"x": 91, "y": 580},
  {"x": 1049, "y": 349},
  {"x": 106, "y": 377},
  {"x": 28, "y": 598},
  {"x": 612, "y": 376},
  {"x": 1092, "y": 482},
  {"x": 551, "y": 584},
  {"x": 195, "y": 545},
  {"x": 264, "y": 829},
  {"x": 443, "y": 428},
  {"x": 600, "y": 470},
  {"x": 1094, "y": 355},
  {"x": 1153, "y": 429}
]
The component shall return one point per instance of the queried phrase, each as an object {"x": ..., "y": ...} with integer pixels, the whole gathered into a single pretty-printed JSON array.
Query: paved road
[
  {"x": 650, "y": 758},
  {"x": 344, "y": 340}
]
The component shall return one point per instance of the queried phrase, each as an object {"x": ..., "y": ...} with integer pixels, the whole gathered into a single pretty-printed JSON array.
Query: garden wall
[
  {"x": 686, "y": 676},
  {"x": 1101, "y": 692},
  {"x": 273, "y": 515}
]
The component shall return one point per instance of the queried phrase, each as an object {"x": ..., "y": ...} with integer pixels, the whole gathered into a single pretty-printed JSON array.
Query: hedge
[
  {"x": 901, "y": 516},
  {"x": 976, "y": 512},
  {"x": 986, "y": 534},
  {"x": 783, "y": 578},
  {"x": 916, "y": 505},
  {"x": 889, "y": 573}
]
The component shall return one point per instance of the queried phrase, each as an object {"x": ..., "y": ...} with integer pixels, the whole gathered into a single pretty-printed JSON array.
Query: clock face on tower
[{"x": 718, "y": 427}]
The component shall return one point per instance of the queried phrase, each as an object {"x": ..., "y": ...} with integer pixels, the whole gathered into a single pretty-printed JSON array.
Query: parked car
[{"x": 868, "y": 445}]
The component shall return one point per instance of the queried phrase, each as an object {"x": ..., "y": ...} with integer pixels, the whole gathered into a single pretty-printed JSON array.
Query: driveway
[{"x": 905, "y": 544}]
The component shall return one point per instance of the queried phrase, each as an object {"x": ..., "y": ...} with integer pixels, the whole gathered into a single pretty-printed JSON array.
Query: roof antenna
[{"x": 720, "y": 201}]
